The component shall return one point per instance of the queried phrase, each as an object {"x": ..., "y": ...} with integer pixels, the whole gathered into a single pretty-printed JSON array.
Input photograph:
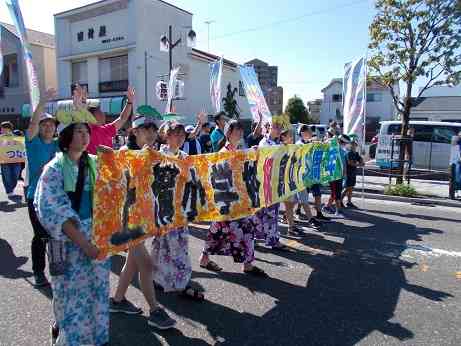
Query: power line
[{"x": 288, "y": 20}]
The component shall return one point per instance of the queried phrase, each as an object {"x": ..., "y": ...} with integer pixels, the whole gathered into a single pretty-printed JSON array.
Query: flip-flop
[
  {"x": 212, "y": 266},
  {"x": 195, "y": 295}
]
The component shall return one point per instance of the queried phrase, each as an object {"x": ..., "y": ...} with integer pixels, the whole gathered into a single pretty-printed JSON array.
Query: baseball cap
[
  {"x": 189, "y": 129},
  {"x": 143, "y": 121},
  {"x": 46, "y": 116}
]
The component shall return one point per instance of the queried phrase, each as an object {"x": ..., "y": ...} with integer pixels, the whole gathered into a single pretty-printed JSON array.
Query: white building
[
  {"x": 14, "y": 90},
  {"x": 379, "y": 107},
  {"x": 111, "y": 44}
]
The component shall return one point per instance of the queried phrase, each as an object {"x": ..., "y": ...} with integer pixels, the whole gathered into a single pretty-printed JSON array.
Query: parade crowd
[{"x": 61, "y": 170}]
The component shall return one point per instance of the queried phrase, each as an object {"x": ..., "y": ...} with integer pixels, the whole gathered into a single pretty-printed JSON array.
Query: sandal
[
  {"x": 191, "y": 293},
  {"x": 280, "y": 247},
  {"x": 212, "y": 266},
  {"x": 255, "y": 271}
]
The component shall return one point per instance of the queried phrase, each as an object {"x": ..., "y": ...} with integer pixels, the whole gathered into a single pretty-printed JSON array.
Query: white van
[{"x": 431, "y": 143}]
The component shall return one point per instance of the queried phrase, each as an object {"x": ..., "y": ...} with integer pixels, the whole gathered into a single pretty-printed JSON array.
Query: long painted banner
[
  {"x": 140, "y": 194},
  {"x": 12, "y": 149}
]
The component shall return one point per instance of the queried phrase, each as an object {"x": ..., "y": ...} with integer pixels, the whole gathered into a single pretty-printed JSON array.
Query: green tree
[
  {"x": 413, "y": 40},
  {"x": 297, "y": 111},
  {"x": 231, "y": 106}
]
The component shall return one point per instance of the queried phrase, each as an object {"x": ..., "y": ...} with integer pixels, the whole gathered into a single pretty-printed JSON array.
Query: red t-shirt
[{"x": 101, "y": 135}]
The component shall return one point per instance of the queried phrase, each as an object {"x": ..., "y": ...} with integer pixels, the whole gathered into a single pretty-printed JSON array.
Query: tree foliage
[
  {"x": 297, "y": 111},
  {"x": 230, "y": 105},
  {"x": 413, "y": 40}
]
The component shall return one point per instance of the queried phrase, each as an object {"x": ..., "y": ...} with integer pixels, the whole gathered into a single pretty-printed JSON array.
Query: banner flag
[
  {"x": 140, "y": 194},
  {"x": 18, "y": 21},
  {"x": 254, "y": 94},
  {"x": 172, "y": 88},
  {"x": 354, "y": 91},
  {"x": 215, "y": 83}
]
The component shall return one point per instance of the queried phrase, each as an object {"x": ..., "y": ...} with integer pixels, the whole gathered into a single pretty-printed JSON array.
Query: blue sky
[{"x": 310, "y": 50}]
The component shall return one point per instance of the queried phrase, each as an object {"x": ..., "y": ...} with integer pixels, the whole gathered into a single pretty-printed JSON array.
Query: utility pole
[
  {"x": 208, "y": 23},
  {"x": 171, "y": 46}
]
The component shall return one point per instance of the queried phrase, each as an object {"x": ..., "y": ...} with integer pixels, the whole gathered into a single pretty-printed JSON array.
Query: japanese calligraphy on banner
[
  {"x": 254, "y": 94},
  {"x": 12, "y": 149},
  {"x": 140, "y": 194}
]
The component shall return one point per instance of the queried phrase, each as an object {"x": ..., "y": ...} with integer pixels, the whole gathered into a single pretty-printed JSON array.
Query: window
[
  {"x": 374, "y": 97},
  {"x": 241, "y": 89},
  {"x": 113, "y": 74},
  {"x": 80, "y": 36},
  {"x": 80, "y": 72},
  {"x": 90, "y": 33},
  {"x": 423, "y": 133},
  {"x": 10, "y": 71},
  {"x": 338, "y": 113},
  {"x": 444, "y": 134},
  {"x": 102, "y": 31},
  {"x": 337, "y": 98}
]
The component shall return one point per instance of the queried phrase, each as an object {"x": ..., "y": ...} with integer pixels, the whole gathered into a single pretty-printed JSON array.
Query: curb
[{"x": 417, "y": 200}]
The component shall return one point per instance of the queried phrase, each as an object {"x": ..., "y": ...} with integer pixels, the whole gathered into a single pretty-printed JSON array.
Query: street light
[
  {"x": 167, "y": 45},
  {"x": 208, "y": 23}
]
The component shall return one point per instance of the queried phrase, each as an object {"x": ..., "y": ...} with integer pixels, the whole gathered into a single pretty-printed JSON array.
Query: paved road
[{"x": 388, "y": 275}]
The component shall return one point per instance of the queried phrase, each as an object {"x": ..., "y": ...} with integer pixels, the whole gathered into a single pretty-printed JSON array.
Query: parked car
[{"x": 431, "y": 143}]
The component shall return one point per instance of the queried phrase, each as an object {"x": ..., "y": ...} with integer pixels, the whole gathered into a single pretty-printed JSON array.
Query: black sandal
[
  {"x": 258, "y": 272},
  {"x": 191, "y": 293},
  {"x": 212, "y": 266},
  {"x": 280, "y": 247}
]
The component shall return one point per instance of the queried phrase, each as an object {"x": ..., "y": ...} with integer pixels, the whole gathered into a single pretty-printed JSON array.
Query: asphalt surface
[{"x": 389, "y": 274}]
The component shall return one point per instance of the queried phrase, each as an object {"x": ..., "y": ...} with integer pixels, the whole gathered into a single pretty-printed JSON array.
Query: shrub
[{"x": 400, "y": 190}]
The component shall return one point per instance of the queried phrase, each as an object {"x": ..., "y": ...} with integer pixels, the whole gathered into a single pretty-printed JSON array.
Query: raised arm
[
  {"x": 33, "y": 128},
  {"x": 126, "y": 112}
]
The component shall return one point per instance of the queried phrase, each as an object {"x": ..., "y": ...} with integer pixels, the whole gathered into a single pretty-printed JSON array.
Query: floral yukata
[
  {"x": 268, "y": 217},
  {"x": 232, "y": 238},
  {"x": 170, "y": 253},
  {"x": 81, "y": 294}
]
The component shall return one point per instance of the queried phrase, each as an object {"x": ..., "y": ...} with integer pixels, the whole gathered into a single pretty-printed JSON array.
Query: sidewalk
[{"x": 432, "y": 188}]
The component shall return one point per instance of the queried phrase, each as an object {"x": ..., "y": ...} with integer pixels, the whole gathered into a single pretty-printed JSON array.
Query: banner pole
[{"x": 364, "y": 124}]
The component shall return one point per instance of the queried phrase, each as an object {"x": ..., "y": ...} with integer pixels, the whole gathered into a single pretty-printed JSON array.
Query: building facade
[
  {"x": 14, "y": 89},
  {"x": 111, "y": 44},
  {"x": 268, "y": 80},
  {"x": 314, "y": 108},
  {"x": 379, "y": 105}
]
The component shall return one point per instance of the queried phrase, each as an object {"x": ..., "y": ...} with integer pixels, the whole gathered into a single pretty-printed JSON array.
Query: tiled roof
[{"x": 437, "y": 103}]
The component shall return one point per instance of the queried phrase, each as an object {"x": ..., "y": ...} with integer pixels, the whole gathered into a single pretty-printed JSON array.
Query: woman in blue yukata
[
  {"x": 170, "y": 253},
  {"x": 64, "y": 206},
  {"x": 268, "y": 217},
  {"x": 232, "y": 238}
]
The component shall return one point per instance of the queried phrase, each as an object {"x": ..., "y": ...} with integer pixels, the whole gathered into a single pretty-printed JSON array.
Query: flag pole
[{"x": 364, "y": 124}]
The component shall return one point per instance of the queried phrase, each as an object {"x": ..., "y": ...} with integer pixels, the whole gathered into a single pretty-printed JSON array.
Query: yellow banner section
[
  {"x": 12, "y": 149},
  {"x": 140, "y": 194}
]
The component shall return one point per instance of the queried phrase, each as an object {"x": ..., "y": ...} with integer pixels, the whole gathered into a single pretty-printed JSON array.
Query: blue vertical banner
[
  {"x": 355, "y": 98},
  {"x": 254, "y": 94},
  {"x": 215, "y": 83},
  {"x": 18, "y": 21}
]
